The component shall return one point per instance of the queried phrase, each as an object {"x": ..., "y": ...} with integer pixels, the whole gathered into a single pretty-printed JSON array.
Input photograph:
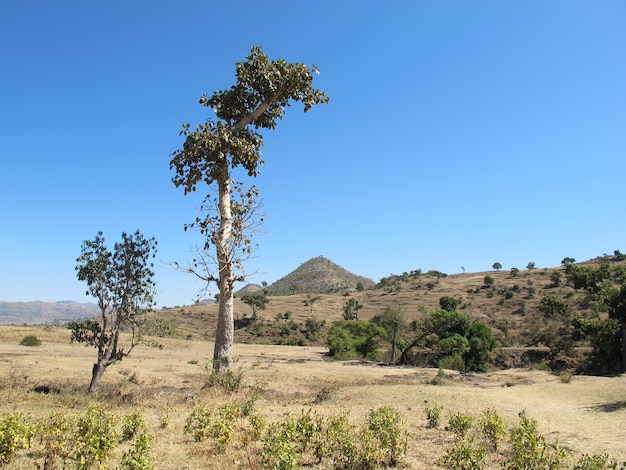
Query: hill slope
[{"x": 318, "y": 276}]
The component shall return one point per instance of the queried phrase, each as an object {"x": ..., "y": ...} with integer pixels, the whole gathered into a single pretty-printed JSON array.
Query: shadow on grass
[{"x": 610, "y": 407}]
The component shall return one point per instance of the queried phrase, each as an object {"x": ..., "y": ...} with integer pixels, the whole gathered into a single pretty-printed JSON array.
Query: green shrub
[
  {"x": 138, "y": 456},
  {"x": 530, "y": 449},
  {"x": 492, "y": 427},
  {"x": 15, "y": 434},
  {"x": 460, "y": 424},
  {"x": 30, "y": 340},
  {"x": 56, "y": 434},
  {"x": 95, "y": 436},
  {"x": 433, "y": 415},
  {"x": 596, "y": 462},
  {"x": 198, "y": 423},
  {"x": 465, "y": 455},
  {"x": 390, "y": 430},
  {"x": 133, "y": 424}
]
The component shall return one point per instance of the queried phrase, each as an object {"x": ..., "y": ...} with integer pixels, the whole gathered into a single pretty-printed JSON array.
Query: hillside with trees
[{"x": 554, "y": 317}]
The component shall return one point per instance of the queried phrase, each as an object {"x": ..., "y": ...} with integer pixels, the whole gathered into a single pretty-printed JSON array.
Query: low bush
[{"x": 30, "y": 340}]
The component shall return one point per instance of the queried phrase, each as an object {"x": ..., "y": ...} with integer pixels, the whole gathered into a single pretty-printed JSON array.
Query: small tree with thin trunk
[
  {"x": 497, "y": 266},
  {"x": 310, "y": 301},
  {"x": 393, "y": 321},
  {"x": 256, "y": 301},
  {"x": 263, "y": 91},
  {"x": 121, "y": 281}
]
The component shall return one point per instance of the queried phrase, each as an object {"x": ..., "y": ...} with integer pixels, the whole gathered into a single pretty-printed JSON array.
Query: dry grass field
[{"x": 586, "y": 415}]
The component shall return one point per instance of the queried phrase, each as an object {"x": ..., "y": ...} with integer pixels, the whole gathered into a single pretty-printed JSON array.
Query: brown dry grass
[{"x": 586, "y": 415}]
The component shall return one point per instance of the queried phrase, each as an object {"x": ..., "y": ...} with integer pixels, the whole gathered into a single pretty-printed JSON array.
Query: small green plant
[
  {"x": 390, "y": 430},
  {"x": 133, "y": 424},
  {"x": 433, "y": 415},
  {"x": 30, "y": 340},
  {"x": 198, "y": 423},
  {"x": 229, "y": 380},
  {"x": 138, "y": 456},
  {"x": 597, "y": 462},
  {"x": 202, "y": 424},
  {"x": 492, "y": 427},
  {"x": 279, "y": 450},
  {"x": 15, "y": 434},
  {"x": 55, "y": 433},
  {"x": 460, "y": 424},
  {"x": 94, "y": 437},
  {"x": 530, "y": 449},
  {"x": 465, "y": 455}
]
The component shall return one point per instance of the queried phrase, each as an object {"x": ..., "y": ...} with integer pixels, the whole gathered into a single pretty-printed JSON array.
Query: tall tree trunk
[
  {"x": 96, "y": 374},
  {"x": 224, "y": 335}
]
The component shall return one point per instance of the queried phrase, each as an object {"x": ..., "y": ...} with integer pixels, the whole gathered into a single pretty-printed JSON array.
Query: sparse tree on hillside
[
  {"x": 448, "y": 303},
  {"x": 351, "y": 309},
  {"x": 567, "y": 260},
  {"x": 310, "y": 301},
  {"x": 211, "y": 153},
  {"x": 497, "y": 266},
  {"x": 122, "y": 284},
  {"x": 514, "y": 272},
  {"x": 256, "y": 301},
  {"x": 530, "y": 265}
]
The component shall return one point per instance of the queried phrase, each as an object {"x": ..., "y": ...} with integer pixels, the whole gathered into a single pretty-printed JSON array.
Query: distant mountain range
[{"x": 41, "y": 313}]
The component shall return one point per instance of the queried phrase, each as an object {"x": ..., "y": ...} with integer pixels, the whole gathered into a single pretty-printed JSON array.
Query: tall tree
[
  {"x": 263, "y": 91},
  {"x": 122, "y": 283}
]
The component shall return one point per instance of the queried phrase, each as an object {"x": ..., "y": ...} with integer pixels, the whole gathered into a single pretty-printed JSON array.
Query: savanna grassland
[{"x": 165, "y": 380}]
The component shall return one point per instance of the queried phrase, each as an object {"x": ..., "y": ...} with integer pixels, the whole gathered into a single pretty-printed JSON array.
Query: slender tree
[
  {"x": 263, "y": 91},
  {"x": 310, "y": 301},
  {"x": 393, "y": 321},
  {"x": 122, "y": 283},
  {"x": 497, "y": 266}
]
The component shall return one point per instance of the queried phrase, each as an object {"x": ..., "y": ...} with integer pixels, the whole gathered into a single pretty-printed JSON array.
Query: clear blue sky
[{"x": 458, "y": 133}]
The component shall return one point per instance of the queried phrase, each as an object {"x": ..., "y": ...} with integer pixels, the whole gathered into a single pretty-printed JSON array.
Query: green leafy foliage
[
  {"x": 433, "y": 414},
  {"x": 460, "y": 424},
  {"x": 30, "y": 340},
  {"x": 95, "y": 436},
  {"x": 353, "y": 339},
  {"x": 138, "y": 456},
  {"x": 15, "y": 433},
  {"x": 531, "y": 450},
  {"x": 122, "y": 283}
]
